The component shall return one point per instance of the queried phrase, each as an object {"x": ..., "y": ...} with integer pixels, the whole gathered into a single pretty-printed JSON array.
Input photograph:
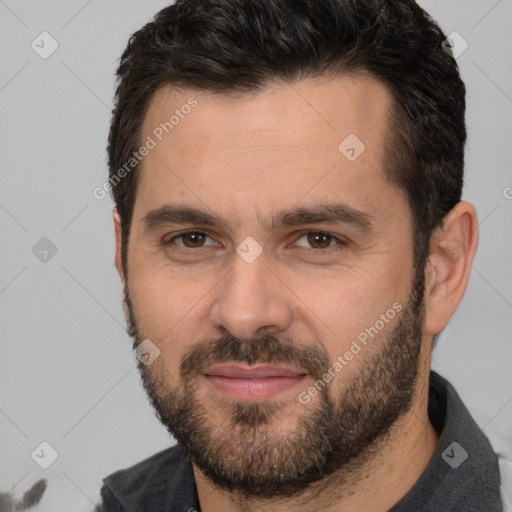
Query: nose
[{"x": 251, "y": 301}]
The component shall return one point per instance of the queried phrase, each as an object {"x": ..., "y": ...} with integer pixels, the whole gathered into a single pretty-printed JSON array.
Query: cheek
[
  {"x": 165, "y": 307},
  {"x": 346, "y": 308}
]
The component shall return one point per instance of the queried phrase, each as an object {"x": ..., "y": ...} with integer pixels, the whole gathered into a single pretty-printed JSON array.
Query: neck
[{"x": 376, "y": 485}]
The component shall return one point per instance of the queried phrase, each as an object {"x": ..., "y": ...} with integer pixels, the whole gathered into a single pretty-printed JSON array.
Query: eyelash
[{"x": 341, "y": 243}]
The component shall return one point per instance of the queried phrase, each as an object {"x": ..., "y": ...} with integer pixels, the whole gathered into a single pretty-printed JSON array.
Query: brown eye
[
  {"x": 189, "y": 240},
  {"x": 319, "y": 240},
  {"x": 193, "y": 239}
]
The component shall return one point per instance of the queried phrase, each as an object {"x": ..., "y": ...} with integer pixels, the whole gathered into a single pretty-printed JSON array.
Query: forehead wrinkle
[{"x": 262, "y": 146}]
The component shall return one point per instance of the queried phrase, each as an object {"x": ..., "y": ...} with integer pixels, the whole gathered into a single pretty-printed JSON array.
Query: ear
[
  {"x": 453, "y": 247},
  {"x": 118, "y": 259}
]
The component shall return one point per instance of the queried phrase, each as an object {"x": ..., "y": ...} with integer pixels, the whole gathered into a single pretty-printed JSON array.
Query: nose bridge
[{"x": 250, "y": 298}]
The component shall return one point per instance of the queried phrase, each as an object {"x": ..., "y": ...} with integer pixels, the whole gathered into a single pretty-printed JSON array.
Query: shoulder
[
  {"x": 146, "y": 470},
  {"x": 146, "y": 483}
]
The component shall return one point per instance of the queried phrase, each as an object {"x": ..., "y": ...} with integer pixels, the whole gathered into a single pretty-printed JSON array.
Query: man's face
[{"x": 252, "y": 311}]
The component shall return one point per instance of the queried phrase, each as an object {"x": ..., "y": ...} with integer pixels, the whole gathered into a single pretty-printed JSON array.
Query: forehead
[
  {"x": 301, "y": 112},
  {"x": 311, "y": 137}
]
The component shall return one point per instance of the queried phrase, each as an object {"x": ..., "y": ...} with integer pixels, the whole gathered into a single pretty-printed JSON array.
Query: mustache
[{"x": 267, "y": 349}]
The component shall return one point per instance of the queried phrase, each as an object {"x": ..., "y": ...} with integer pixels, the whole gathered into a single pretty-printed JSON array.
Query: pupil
[
  {"x": 314, "y": 238},
  {"x": 198, "y": 238}
]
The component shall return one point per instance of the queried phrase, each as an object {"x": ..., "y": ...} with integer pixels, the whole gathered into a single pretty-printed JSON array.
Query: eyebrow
[{"x": 331, "y": 213}]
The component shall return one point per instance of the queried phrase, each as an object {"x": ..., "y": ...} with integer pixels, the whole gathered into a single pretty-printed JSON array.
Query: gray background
[{"x": 68, "y": 376}]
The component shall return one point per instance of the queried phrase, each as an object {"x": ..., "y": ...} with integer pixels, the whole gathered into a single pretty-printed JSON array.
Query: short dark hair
[{"x": 237, "y": 46}]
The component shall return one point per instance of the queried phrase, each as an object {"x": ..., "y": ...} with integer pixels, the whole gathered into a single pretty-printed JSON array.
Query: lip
[
  {"x": 252, "y": 383},
  {"x": 255, "y": 372}
]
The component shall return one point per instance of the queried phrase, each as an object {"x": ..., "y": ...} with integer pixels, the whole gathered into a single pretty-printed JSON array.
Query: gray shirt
[{"x": 462, "y": 476}]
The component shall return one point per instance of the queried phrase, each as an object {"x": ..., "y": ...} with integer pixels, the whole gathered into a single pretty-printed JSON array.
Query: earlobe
[
  {"x": 452, "y": 252},
  {"x": 118, "y": 234}
]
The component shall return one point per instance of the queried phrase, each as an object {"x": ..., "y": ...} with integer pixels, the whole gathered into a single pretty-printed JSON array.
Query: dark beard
[{"x": 341, "y": 428}]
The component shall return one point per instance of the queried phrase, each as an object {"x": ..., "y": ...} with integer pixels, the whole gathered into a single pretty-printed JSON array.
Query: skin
[{"x": 244, "y": 157}]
